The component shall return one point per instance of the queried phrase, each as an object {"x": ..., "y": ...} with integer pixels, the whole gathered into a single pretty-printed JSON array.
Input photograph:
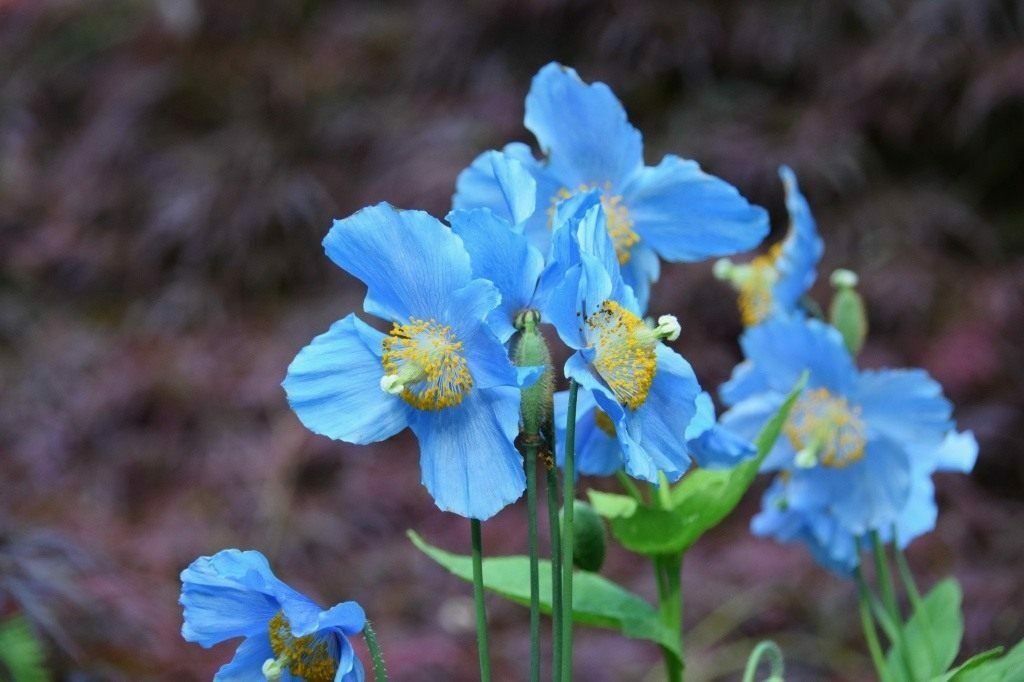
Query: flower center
[
  {"x": 424, "y": 364},
  {"x": 624, "y": 352},
  {"x": 620, "y": 225},
  {"x": 307, "y": 657},
  {"x": 755, "y": 287},
  {"x": 825, "y": 428}
]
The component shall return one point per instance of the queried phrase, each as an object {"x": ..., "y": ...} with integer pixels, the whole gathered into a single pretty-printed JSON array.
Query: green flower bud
[
  {"x": 588, "y": 537},
  {"x": 532, "y": 351},
  {"x": 847, "y": 312}
]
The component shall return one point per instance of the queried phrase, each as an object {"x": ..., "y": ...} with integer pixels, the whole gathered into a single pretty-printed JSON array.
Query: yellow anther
[
  {"x": 825, "y": 429},
  {"x": 604, "y": 422},
  {"x": 755, "y": 281},
  {"x": 308, "y": 657},
  {"x": 624, "y": 352},
  {"x": 424, "y": 364},
  {"x": 616, "y": 214}
]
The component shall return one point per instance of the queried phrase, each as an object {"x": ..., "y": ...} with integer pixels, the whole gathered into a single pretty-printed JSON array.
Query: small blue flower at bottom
[{"x": 286, "y": 635}]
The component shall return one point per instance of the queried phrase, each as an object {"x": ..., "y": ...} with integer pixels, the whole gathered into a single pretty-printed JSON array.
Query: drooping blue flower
[
  {"x": 440, "y": 370},
  {"x": 641, "y": 407},
  {"x": 858, "y": 449},
  {"x": 286, "y": 635},
  {"x": 673, "y": 210},
  {"x": 774, "y": 283}
]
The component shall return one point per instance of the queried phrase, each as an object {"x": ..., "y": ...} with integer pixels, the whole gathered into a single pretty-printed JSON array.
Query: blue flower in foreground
[
  {"x": 440, "y": 370},
  {"x": 858, "y": 449},
  {"x": 287, "y": 636},
  {"x": 673, "y": 210},
  {"x": 773, "y": 283},
  {"x": 641, "y": 393}
]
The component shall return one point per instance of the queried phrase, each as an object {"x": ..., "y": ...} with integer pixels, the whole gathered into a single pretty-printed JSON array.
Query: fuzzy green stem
[
  {"x": 531, "y": 511},
  {"x": 667, "y": 570},
  {"x": 776, "y": 664},
  {"x": 483, "y": 650},
  {"x": 569, "y": 494},
  {"x": 554, "y": 527},
  {"x": 380, "y": 674},
  {"x": 630, "y": 486},
  {"x": 868, "y": 625},
  {"x": 907, "y": 577},
  {"x": 888, "y": 589}
]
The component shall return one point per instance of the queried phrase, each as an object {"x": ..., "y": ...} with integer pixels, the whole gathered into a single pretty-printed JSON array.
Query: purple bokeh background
[{"x": 169, "y": 167}]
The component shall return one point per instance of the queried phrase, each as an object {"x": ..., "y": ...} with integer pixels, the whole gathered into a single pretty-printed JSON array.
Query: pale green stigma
[
  {"x": 273, "y": 668},
  {"x": 409, "y": 373}
]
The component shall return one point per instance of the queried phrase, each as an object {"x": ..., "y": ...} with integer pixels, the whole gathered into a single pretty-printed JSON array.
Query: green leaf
[
  {"x": 985, "y": 667},
  {"x": 701, "y": 500},
  {"x": 595, "y": 600},
  {"x": 612, "y": 505},
  {"x": 932, "y": 638},
  {"x": 21, "y": 653}
]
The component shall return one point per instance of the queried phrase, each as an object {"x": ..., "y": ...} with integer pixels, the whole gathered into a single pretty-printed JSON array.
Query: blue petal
[
  {"x": 642, "y": 268},
  {"x": 686, "y": 215},
  {"x": 866, "y": 495},
  {"x": 782, "y": 348},
  {"x": 333, "y": 385},
  {"x": 348, "y": 617},
  {"x": 919, "y": 514},
  {"x": 801, "y": 249},
  {"x": 747, "y": 380},
  {"x": 905, "y": 405},
  {"x": 717, "y": 448},
  {"x": 582, "y": 129},
  {"x": 564, "y": 252},
  {"x": 409, "y": 261},
  {"x": 231, "y": 594},
  {"x": 247, "y": 665},
  {"x": 958, "y": 452},
  {"x": 353, "y": 671},
  {"x": 596, "y": 452},
  {"x": 518, "y": 188},
  {"x": 502, "y": 256},
  {"x": 583, "y": 288},
  {"x": 653, "y": 436},
  {"x": 467, "y": 456},
  {"x": 748, "y": 418}
]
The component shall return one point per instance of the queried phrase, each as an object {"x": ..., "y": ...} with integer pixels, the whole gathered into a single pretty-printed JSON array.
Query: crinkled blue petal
[
  {"x": 469, "y": 462},
  {"x": 582, "y": 129},
  {"x": 642, "y": 268},
  {"x": 353, "y": 672},
  {"x": 333, "y": 385},
  {"x": 653, "y": 437},
  {"x": 801, "y": 248},
  {"x": 596, "y": 452},
  {"x": 502, "y": 256},
  {"x": 583, "y": 288},
  {"x": 247, "y": 665},
  {"x": 518, "y": 188},
  {"x": 747, "y": 380},
  {"x": 782, "y": 348},
  {"x": 747, "y": 419},
  {"x": 227, "y": 595},
  {"x": 958, "y": 452},
  {"x": 906, "y": 406},
  {"x": 710, "y": 445},
  {"x": 564, "y": 251},
  {"x": 687, "y": 215},
  {"x": 409, "y": 261}
]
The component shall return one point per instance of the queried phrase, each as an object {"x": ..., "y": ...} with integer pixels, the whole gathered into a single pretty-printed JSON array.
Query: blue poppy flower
[
  {"x": 635, "y": 389},
  {"x": 673, "y": 210},
  {"x": 440, "y": 370},
  {"x": 858, "y": 448},
  {"x": 774, "y": 283},
  {"x": 286, "y": 635}
]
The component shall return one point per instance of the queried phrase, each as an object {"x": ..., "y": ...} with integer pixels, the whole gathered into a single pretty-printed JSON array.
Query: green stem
[
  {"x": 630, "y": 486},
  {"x": 907, "y": 577},
  {"x": 554, "y": 527},
  {"x": 868, "y": 625},
  {"x": 478, "y": 594},
  {"x": 668, "y": 570},
  {"x": 531, "y": 511},
  {"x": 776, "y": 664},
  {"x": 380, "y": 674},
  {"x": 888, "y": 589},
  {"x": 569, "y": 495}
]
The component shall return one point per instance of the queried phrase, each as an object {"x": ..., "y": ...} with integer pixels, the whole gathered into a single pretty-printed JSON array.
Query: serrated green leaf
[
  {"x": 596, "y": 600},
  {"x": 612, "y": 505},
  {"x": 701, "y": 500},
  {"x": 932, "y": 639},
  {"x": 21, "y": 653}
]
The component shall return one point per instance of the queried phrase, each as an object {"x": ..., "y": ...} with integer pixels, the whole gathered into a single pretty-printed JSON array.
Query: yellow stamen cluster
[
  {"x": 756, "y": 288},
  {"x": 827, "y": 427},
  {"x": 604, "y": 422},
  {"x": 307, "y": 657},
  {"x": 624, "y": 352},
  {"x": 435, "y": 354},
  {"x": 620, "y": 225}
]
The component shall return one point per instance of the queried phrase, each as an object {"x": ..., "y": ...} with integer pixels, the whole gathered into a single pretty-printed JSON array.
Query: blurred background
[{"x": 169, "y": 167}]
